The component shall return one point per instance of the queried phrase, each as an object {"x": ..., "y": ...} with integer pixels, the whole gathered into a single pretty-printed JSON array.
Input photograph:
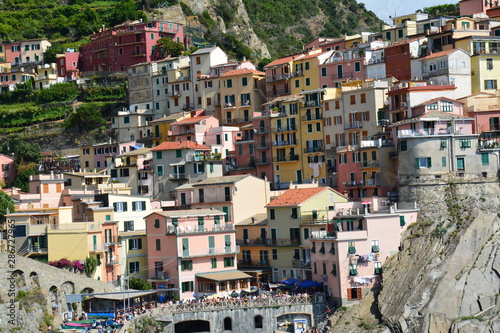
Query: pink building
[
  {"x": 192, "y": 129},
  {"x": 342, "y": 65},
  {"x": 67, "y": 65},
  {"x": 127, "y": 44},
  {"x": 195, "y": 251},
  {"x": 7, "y": 170},
  {"x": 13, "y": 52},
  {"x": 348, "y": 256},
  {"x": 10, "y": 78},
  {"x": 242, "y": 160},
  {"x": 470, "y": 7}
]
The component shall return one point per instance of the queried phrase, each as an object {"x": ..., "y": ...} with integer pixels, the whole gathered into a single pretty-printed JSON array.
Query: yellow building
[
  {"x": 306, "y": 74},
  {"x": 251, "y": 235},
  {"x": 484, "y": 61},
  {"x": 134, "y": 250},
  {"x": 242, "y": 94},
  {"x": 161, "y": 127},
  {"x": 2, "y": 54},
  {"x": 292, "y": 217},
  {"x": 285, "y": 139},
  {"x": 47, "y": 76}
]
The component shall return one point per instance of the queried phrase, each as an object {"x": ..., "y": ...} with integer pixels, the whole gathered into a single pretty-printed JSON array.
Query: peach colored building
[
  {"x": 483, "y": 107},
  {"x": 7, "y": 170},
  {"x": 193, "y": 250}
]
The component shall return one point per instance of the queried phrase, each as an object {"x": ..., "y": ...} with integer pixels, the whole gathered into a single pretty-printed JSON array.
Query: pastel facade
[
  {"x": 483, "y": 108},
  {"x": 29, "y": 51},
  {"x": 7, "y": 170},
  {"x": 95, "y": 156},
  {"x": 195, "y": 251},
  {"x": 135, "y": 169},
  {"x": 130, "y": 42},
  {"x": 10, "y": 78},
  {"x": 47, "y": 76},
  {"x": 68, "y": 65}
]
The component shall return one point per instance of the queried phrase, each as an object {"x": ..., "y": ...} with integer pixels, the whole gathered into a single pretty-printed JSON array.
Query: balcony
[
  {"x": 284, "y": 242},
  {"x": 278, "y": 92},
  {"x": 340, "y": 235},
  {"x": 254, "y": 263},
  {"x": 429, "y": 132},
  {"x": 353, "y": 125},
  {"x": 285, "y": 143},
  {"x": 370, "y": 164},
  {"x": 278, "y": 77},
  {"x": 174, "y": 93},
  {"x": 309, "y": 104},
  {"x": 289, "y": 158},
  {"x": 242, "y": 166},
  {"x": 284, "y": 129},
  {"x": 261, "y": 130},
  {"x": 213, "y": 251},
  {"x": 311, "y": 117},
  {"x": 393, "y": 154},
  {"x": 197, "y": 229},
  {"x": 297, "y": 74},
  {"x": 344, "y": 75},
  {"x": 178, "y": 176},
  {"x": 160, "y": 275},
  {"x": 319, "y": 149},
  {"x": 229, "y": 105},
  {"x": 263, "y": 145},
  {"x": 138, "y": 54},
  {"x": 111, "y": 240},
  {"x": 262, "y": 161},
  {"x": 32, "y": 249},
  {"x": 187, "y": 107},
  {"x": 112, "y": 260},
  {"x": 96, "y": 248}
]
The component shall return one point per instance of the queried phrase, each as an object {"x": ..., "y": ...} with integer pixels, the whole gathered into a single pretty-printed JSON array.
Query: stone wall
[{"x": 50, "y": 284}]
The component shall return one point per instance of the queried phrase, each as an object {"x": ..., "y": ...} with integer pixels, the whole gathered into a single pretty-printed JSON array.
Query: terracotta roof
[
  {"x": 432, "y": 114},
  {"x": 222, "y": 180},
  {"x": 295, "y": 197},
  {"x": 437, "y": 99},
  {"x": 439, "y": 54},
  {"x": 313, "y": 55},
  {"x": 173, "y": 145},
  {"x": 284, "y": 60},
  {"x": 141, "y": 151},
  {"x": 242, "y": 71},
  {"x": 192, "y": 120}
]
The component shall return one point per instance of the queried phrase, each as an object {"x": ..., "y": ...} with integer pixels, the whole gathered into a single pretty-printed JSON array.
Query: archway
[
  {"x": 20, "y": 279},
  {"x": 257, "y": 320},
  {"x": 34, "y": 280},
  {"x": 228, "y": 324},
  {"x": 191, "y": 326}
]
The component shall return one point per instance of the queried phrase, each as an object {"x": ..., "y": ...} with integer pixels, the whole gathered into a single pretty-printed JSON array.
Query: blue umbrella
[
  {"x": 308, "y": 284},
  {"x": 290, "y": 282}
]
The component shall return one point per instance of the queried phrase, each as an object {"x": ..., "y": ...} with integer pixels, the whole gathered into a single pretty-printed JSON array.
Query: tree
[
  {"x": 139, "y": 284},
  {"x": 23, "y": 151},
  {"x": 166, "y": 46},
  {"x": 90, "y": 266},
  {"x": 87, "y": 117},
  {"x": 263, "y": 63},
  {"x": 23, "y": 173},
  {"x": 6, "y": 206}
]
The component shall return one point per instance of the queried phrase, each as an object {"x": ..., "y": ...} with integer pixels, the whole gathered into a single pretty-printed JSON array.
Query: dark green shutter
[
  {"x": 115, "y": 206},
  {"x": 402, "y": 221},
  {"x": 417, "y": 163},
  {"x": 429, "y": 162},
  {"x": 124, "y": 206},
  {"x": 130, "y": 244}
]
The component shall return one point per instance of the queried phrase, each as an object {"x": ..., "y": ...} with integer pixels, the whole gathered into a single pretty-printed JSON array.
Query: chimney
[{"x": 253, "y": 219}]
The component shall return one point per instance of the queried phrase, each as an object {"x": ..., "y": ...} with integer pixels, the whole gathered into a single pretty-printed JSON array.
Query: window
[
  {"x": 485, "y": 158},
  {"x": 375, "y": 246},
  {"x": 275, "y": 254},
  {"x": 357, "y": 66},
  {"x": 363, "y": 98},
  {"x": 490, "y": 84},
  {"x": 159, "y": 170},
  {"x": 309, "y": 128},
  {"x": 229, "y": 83},
  {"x": 128, "y": 225},
  {"x": 294, "y": 213},
  {"x": 297, "y": 84},
  {"x": 213, "y": 262},
  {"x": 138, "y": 206},
  {"x": 187, "y": 286},
  {"x": 423, "y": 162},
  {"x": 135, "y": 244},
  {"x": 377, "y": 266},
  {"x": 272, "y": 214},
  {"x": 159, "y": 155},
  {"x": 432, "y": 67},
  {"x": 156, "y": 223},
  {"x": 133, "y": 267},
  {"x": 244, "y": 81},
  {"x": 403, "y": 145},
  {"x": 460, "y": 163},
  {"x": 318, "y": 127},
  {"x": 120, "y": 206},
  {"x": 228, "y": 261},
  {"x": 126, "y": 120},
  {"x": 334, "y": 270},
  {"x": 308, "y": 81},
  {"x": 464, "y": 143},
  {"x": 323, "y": 71},
  {"x": 178, "y": 153},
  {"x": 443, "y": 162},
  {"x": 353, "y": 99},
  {"x": 351, "y": 247},
  {"x": 446, "y": 106},
  {"x": 186, "y": 265},
  {"x": 306, "y": 66},
  {"x": 158, "y": 244},
  {"x": 353, "y": 269}
]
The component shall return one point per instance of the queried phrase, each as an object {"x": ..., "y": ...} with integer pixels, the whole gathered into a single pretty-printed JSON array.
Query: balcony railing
[
  {"x": 278, "y": 77},
  {"x": 174, "y": 93},
  {"x": 262, "y": 161},
  {"x": 289, "y": 158},
  {"x": 160, "y": 275},
  {"x": 284, "y": 128},
  {"x": 199, "y": 228},
  {"x": 297, "y": 74},
  {"x": 278, "y": 92},
  {"x": 203, "y": 252},
  {"x": 309, "y": 104},
  {"x": 429, "y": 132},
  {"x": 261, "y": 130},
  {"x": 36, "y": 249},
  {"x": 253, "y": 263},
  {"x": 263, "y": 145},
  {"x": 187, "y": 107},
  {"x": 178, "y": 176},
  {"x": 353, "y": 125},
  {"x": 370, "y": 164},
  {"x": 242, "y": 166},
  {"x": 314, "y": 149},
  {"x": 111, "y": 260},
  {"x": 310, "y": 117},
  {"x": 285, "y": 143},
  {"x": 110, "y": 240},
  {"x": 98, "y": 248}
]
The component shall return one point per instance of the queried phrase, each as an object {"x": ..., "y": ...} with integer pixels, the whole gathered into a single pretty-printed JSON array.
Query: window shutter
[
  {"x": 139, "y": 243},
  {"x": 367, "y": 115},
  {"x": 124, "y": 206},
  {"x": 402, "y": 221},
  {"x": 134, "y": 203},
  {"x": 115, "y": 206},
  {"x": 183, "y": 287},
  {"x": 195, "y": 168},
  {"x": 191, "y": 286},
  {"x": 360, "y": 293},
  {"x": 130, "y": 244},
  {"x": 143, "y": 204},
  {"x": 190, "y": 265},
  {"x": 429, "y": 164},
  {"x": 417, "y": 163},
  {"x": 130, "y": 266},
  {"x": 349, "y": 294}
]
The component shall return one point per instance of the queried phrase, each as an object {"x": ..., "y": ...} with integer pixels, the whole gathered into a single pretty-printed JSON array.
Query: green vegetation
[
  {"x": 167, "y": 47},
  {"x": 90, "y": 266},
  {"x": 6, "y": 203},
  {"x": 139, "y": 284},
  {"x": 447, "y": 10}
]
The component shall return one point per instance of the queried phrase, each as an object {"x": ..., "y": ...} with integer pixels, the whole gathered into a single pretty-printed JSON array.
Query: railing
[
  {"x": 285, "y": 143},
  {"x": 178, "y": 176},
  {"x": 314, "y": 116},
  {"x": 161, "y": 275},
  {"x": 314, "y": 149},
  {"x": 297, "y": 74},
  {"x": 312, "y": 103},
  {"x": 187, "y": 107},
  {"x": 370, "y": 164},
  {"x": 261, "y": 130},
  {"x": 284, "y": 128},
  {"x": 353, "y": 125},
  {"x": 242, "y": 166},
  {"x": 393, "y": 154},
  {"x": 36, "y": 249},
  {"x": 342, "y": 75},
  {"x": 263, "y": 145},
  {"x": 289, "y": 158},
  {"x": 301, "y": 264},
  {"x": 278, "y": 92},
  {"x": 262, "y": 160},
  {"x": 112, "y": 261},
  {"x": 239, "y": 303},
  {"x": 199, "y": 228},
  {"x": 202, "y": 252},
  {"x": 268, "y": 241},
  {"x": 67, "y": 226},
  {"x": 174, "y": 93},
  {"x": 98, "y": 248},
  {"x": 430, "y": 132},
  {"x": 109, "y": 240}
]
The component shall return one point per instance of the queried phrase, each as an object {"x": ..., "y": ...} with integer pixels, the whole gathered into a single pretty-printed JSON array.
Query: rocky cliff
[{"x": 447, "y": 276}]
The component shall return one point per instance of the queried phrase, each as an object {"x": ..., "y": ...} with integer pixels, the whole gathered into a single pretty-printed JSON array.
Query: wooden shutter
[
  {"x": 349, "y": 294},
  {"x": 360, "y": 293},
  {"x": 367, "y": 115}
]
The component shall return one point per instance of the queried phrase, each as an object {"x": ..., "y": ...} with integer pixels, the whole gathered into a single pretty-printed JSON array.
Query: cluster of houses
[{"x": 225, "y": 177}]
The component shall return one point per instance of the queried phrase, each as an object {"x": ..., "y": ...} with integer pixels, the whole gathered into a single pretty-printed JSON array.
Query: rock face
[{"x": 448, "y": 270}]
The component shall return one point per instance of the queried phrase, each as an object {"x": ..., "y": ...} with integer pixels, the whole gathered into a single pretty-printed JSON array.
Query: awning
[
  {"x": 224, "y": 276},
  {"x": 179, "y": 163},
  {"x": 366, "y": 202},
  {"x": 119, "y": 296}
]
